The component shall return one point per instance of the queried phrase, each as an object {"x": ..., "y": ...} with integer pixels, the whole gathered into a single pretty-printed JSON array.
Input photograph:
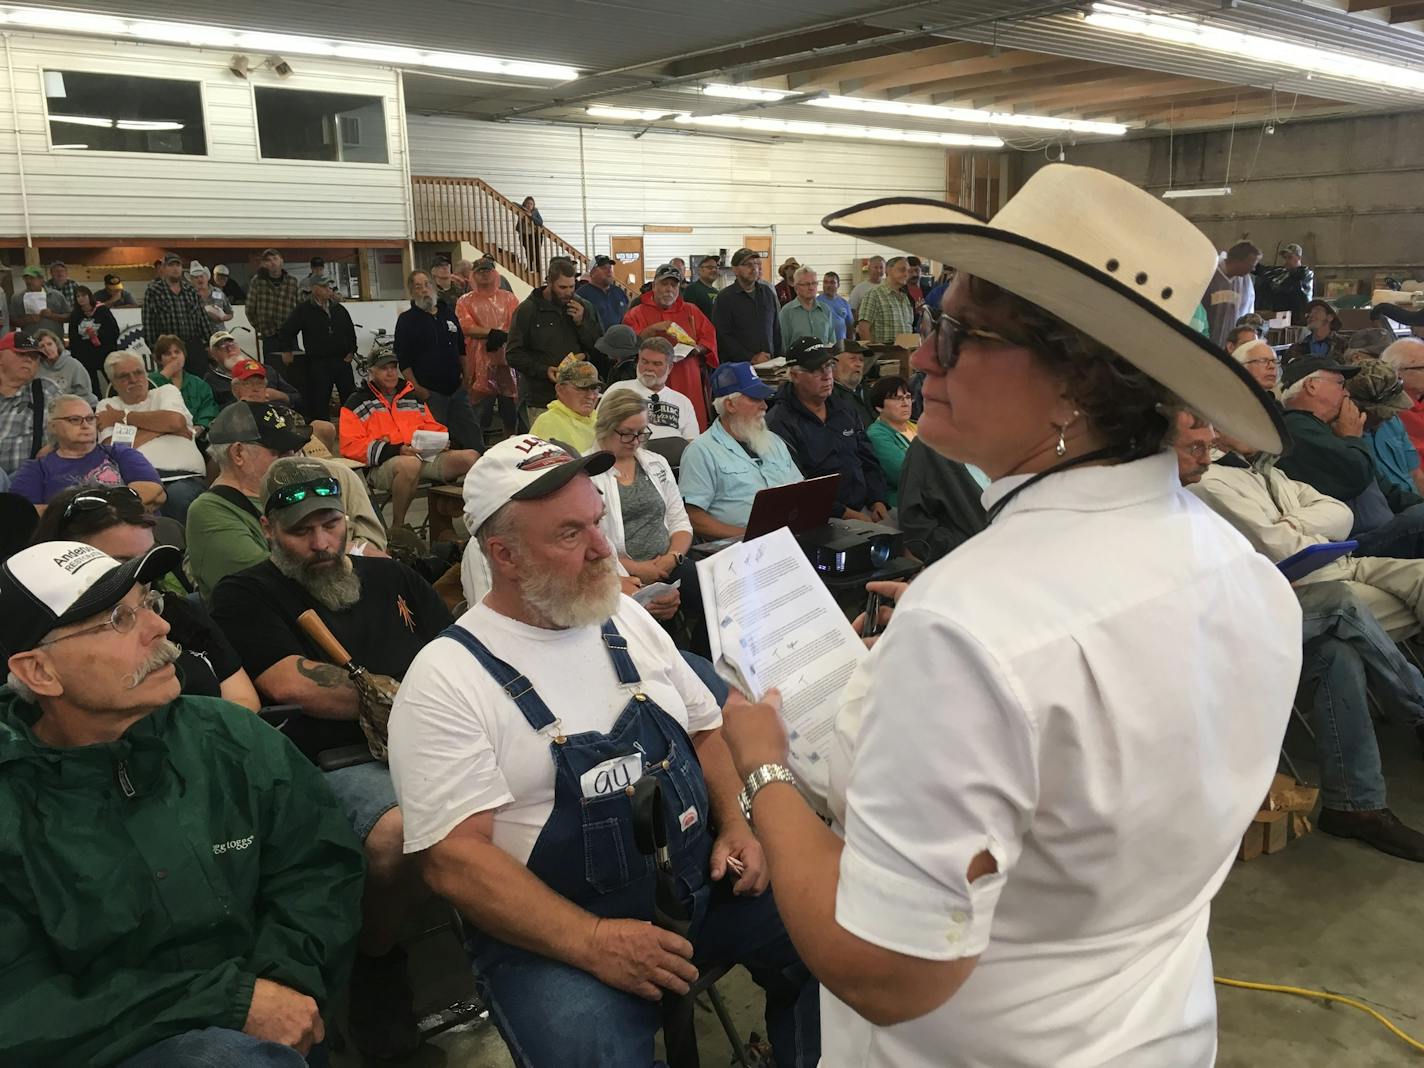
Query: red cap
[
  {"x": 248, "y": 369},
  {"x": 15, "y": 342}
]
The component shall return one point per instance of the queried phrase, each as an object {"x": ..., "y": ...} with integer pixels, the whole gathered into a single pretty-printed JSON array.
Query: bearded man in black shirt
[{"x": 383, "y": 613}]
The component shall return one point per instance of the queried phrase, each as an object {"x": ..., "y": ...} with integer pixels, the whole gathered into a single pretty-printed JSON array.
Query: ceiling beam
[
  {"x": 1406, "y": 13},
  {"x": 911, "y": 75},
  {"x": 951, "y": 89},
  {"x": 829, "y": 37},
  {"x": 1138, "y": 83},
  {"x": 1367, "y": 5},
  {"x": 1223, "y": 113},
  {"x": 824, "y": 77},
  {"x": 1161, "y": 102}
]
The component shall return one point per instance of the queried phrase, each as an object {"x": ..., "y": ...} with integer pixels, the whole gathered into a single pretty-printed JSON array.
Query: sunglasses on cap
[
  {"x": 119, "y": 498},
  {"x": 300, "y": 491}
]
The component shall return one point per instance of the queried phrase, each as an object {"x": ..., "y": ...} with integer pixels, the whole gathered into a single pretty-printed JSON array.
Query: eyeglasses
[
  {"x": 77, "y": 420},
  {"x": 1200, "y": 451},
  {"x": 589, "y": 389},
  {"x": 634, "y": 437},
  {"x": 121, "y": 620},
  {"x": 300, "y": 491},
  {"x": 118, "y": 498},
  {"x": 1267, "y": 360},
  {"x": 951, "y": 334},
  {"x": 899, "y": 397}
]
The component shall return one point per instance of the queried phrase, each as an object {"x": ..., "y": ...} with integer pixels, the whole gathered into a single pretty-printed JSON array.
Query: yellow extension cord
[{"x": 1321, "y": 995}]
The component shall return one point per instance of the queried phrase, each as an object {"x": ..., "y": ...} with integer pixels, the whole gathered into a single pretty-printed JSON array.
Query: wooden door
[
  {"x": 761, "y": 243},
  {"x": 628, "y": 252}
]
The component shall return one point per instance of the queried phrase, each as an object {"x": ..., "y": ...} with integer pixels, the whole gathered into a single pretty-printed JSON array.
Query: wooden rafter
[
  {"x": 832, "y": 76},
  {"x": 1060, "y": 73},
  {"x": 1405, "y": 13},
  {"x": 911, "y": 76},
  {"x": 1136, "y": 83}
]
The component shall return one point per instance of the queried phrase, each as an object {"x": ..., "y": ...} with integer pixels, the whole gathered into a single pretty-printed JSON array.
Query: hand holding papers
[
  {"x": 771, "y": 623},
  {"x": 429, "y": 444}
]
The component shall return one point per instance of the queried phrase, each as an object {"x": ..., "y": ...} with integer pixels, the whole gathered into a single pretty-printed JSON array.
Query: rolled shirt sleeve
[{"x": 945, "y": 769}]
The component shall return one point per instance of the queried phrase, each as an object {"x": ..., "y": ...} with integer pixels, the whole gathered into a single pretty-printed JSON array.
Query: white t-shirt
[
  {"x": 1094, "y": 690},
  {"x": 167, "y": 452},
  {"x": 459, "y": 745},
  {"x": 670, "y": 416}
]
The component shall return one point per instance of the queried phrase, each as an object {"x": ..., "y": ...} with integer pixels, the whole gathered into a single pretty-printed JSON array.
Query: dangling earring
[{"x": 1061, "y": 449}]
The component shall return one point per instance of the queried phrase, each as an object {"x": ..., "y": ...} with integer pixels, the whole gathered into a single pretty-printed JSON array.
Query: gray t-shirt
[
  {"x": 54, "y": 301},
  {"x": 645, "y": 533}
]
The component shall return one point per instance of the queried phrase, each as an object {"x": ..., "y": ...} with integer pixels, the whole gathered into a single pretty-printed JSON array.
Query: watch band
[{"x": 762, "y": 776}]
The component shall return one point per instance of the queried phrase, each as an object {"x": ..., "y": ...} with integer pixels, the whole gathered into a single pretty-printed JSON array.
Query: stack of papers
[
  {"x": 429, "y": 443},
  {"x": 772, "y": 623}
]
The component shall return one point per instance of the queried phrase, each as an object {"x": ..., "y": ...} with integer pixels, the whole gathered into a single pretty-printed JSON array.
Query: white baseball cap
[
  {"x": 56, "y": 583},
  {"x": 523, "y": 469}
]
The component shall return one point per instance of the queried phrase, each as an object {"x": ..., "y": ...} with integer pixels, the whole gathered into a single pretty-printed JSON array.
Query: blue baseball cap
[{"x": 739, "y": 378}]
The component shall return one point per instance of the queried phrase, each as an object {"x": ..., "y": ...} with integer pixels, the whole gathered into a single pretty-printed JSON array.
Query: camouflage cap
[
  {"x": 575, "y": 371},
  {"x": 1378, "y": 390}
]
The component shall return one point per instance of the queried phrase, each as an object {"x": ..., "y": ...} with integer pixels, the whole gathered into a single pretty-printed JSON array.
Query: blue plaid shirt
[{"x": 17, "y": 423}]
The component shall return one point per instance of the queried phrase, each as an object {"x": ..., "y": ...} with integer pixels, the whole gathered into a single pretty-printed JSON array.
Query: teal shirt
[
  {"x": 719, "y": 476},
  {"x": 890, "y": 447},
  {"x": 797, "y": 322}
]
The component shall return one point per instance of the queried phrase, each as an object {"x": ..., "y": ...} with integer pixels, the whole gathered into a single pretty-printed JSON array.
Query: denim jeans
[
  {"x": 181, "y": 493},
  {"x": 1401, "y": 538},
  {"x": 455, "y": 411},
  {"x": 1346, "y": 651},
  {"x": 550, "y": 1013},
  {"x": 218, "y": 1047}
]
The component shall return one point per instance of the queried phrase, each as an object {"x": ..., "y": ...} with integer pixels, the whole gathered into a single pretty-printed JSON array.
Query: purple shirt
[{"x": 106, "y": 465}]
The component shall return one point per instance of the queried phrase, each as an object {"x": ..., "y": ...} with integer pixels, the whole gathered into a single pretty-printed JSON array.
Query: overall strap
[
  {"x": 37, "y": 415},
  {"x": 618, "y": 653},
  {"x": 519, "y": 688}
]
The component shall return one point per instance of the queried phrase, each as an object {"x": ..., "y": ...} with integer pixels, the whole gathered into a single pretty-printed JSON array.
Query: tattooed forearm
[{"x": 328, "y": 676}]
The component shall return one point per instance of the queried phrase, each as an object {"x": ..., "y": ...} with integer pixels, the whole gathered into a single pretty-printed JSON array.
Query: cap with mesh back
[
  {"x": 271, "y": 425},
  {"x": 743, "y": 254},
  {"x": 293, "y": 471}
]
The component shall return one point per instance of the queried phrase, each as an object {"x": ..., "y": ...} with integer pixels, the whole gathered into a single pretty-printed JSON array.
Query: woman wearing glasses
[
  {"x": 115, "y": 521},
  {"x": 78, "y": 459},
  {"x": 1045, "y": 765}
]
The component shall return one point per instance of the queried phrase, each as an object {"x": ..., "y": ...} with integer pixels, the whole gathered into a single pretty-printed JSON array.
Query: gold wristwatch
[{"x": 762, "y": 776}]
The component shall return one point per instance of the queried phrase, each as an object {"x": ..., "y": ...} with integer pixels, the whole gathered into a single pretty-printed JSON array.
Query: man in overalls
[{"x": 520, "y": 744}]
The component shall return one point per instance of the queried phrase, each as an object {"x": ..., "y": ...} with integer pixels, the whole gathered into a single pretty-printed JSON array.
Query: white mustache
[{"x": 166, "y": 653}]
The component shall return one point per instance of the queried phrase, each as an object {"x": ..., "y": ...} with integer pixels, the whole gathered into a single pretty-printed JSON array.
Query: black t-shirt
[
  {"x": 207, "y": 657},
  {"x": 398, "y": 613}
]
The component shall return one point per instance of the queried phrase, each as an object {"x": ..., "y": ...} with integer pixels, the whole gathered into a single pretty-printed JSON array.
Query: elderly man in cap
[
  {"x": 328, "y": 342},
  {"x": 486, "y": 314},
  {"x": 745, "y": 313},
  {"x": 272, "y": 296},
  {"x": 738, "y": 456},
  {"x": 379, "y": 427},
  {"x": 1329, "y": 452},
  {"x": 224, "y": 529},
  {"x": 228, "y": 285},
  {"x": 226, "y": 355},
  {"x": 570, "y": 418},
  {"x": 1379, "y": 393},
  {"x": 155, "y": 421},
  {"x": 215, "y": 301},
  {"x": 177, "y": 885},
  {"x": 37, "y": 304},
  {"x": 24, "y": 401},
  {"x": 61, "y": 283},
  {"x": 172, "y": 306},
  {"x": 601, "y": 290},
  {"x": 430, "y": 349},
  {"x": 383, "y": 614},
  {"x": 850, "y": 386},
  {"x": 662, "y": 312},
  {"x": 826, "y": 434},
  {"x": 670, "y": 414},
  {"x": 522, "y": 802}
]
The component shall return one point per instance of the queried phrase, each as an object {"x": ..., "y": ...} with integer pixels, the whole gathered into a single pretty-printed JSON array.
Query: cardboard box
[{"x": 1284, "y": 816}]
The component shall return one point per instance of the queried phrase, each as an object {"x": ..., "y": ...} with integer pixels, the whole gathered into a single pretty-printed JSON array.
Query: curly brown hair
[{"x": 1119, "y": 401}]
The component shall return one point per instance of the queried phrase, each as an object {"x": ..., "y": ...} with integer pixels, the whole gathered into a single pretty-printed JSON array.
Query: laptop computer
[{"x": 801, "y": 506}]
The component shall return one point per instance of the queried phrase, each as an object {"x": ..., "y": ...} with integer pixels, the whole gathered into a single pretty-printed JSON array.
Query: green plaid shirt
[
  {"x": 269, "y": 303},
  {"x": 888, "y": 312}
]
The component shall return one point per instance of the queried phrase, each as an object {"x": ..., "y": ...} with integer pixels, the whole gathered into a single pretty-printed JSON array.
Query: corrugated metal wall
[
  {"x": 724, "y": 189},
  {"x": 230, "y": 192}
]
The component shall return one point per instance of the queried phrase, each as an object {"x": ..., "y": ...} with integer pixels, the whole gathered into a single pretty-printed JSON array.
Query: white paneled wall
[
  {"x": 725, "y": 189},
  {"x": 230, "y": 192}
]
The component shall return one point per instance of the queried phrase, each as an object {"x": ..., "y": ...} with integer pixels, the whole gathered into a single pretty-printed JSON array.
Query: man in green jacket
[
  {"x": 548, "y": 325},
  {"x": 177, "y": 884}
]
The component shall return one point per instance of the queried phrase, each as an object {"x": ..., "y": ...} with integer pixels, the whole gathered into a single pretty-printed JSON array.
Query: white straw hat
[{"x": 1105, "y": 257}]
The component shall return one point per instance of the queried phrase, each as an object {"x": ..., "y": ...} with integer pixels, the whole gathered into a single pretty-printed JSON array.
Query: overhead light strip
[
  {"x": 198, "y": 35},
  {"x": 599, "y": 111},
  {"x": 1263, "y": 52},
  {"x": 932, "y": 112},
  {"x": 798, "y": 128},
  {"x": 1211, "y": 191}
]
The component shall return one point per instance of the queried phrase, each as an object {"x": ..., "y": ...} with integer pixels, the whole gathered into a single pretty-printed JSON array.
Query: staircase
[{"x": 468, "y": 209}]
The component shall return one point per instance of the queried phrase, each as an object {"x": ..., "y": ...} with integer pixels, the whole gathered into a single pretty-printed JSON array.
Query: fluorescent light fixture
[
  {"x": 1212, "y": 191},
  {"x": 198, "y": 35},
  {"x": 599, "y": 111},
  {"x": 83, "y": 120},
  {"x": 67, "y": 146},
  {"x": 1263, "y": 51},
  {"x": 760, "y": 124},
  {"x": 932, "y": 112},
  {"x": 147, "y": 124}
]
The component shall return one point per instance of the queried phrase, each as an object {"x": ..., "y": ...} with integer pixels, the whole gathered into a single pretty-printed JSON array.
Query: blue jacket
[
  {"x": 431, "y": 345},
  {"x": 837, "y": 446},
  {"x": 611, "y": 303}
]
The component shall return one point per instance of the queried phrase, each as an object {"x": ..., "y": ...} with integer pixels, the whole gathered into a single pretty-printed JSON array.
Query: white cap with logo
[{"x": 523, "y": 468}]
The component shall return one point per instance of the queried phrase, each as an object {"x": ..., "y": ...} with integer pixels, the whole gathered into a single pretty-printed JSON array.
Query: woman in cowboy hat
[{"x": 1043, "y": 769}]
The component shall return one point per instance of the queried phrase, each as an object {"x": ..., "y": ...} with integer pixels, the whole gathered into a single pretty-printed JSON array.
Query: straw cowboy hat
[{"x": 1106, "y": 258}]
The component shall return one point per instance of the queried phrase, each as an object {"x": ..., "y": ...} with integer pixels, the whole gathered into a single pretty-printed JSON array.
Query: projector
[{"x": 850, "y": 546}]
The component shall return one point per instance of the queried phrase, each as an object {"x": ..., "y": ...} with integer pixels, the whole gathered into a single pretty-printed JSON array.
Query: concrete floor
[{"x": 1325, "y": 914}]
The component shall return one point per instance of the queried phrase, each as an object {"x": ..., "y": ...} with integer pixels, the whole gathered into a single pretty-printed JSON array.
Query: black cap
[
  {"x": 809, "y": 354},
  {"x": 1299, "y": 368},
  {"x": 172, "y": 257},
  {"x": 271, "y": 425},
  {"x": 604, "y": 261}
]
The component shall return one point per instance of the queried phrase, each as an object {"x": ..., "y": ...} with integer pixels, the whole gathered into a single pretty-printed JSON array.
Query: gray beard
[
  {"x": 585, "y": 601},
  {"x": 653, "y": 382},
  {"x": 752, "y": 433},
  {"x": 425, "y": 303},
  {"x": 334, "y": 588}
]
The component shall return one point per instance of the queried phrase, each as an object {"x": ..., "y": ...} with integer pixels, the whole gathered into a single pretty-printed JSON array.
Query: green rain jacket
[{"x": 146, "y": 884}]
